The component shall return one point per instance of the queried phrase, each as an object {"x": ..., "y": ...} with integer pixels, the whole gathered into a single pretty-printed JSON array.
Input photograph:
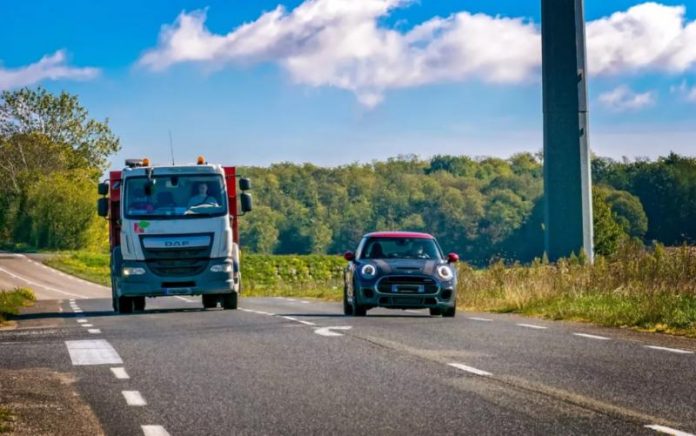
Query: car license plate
[{"x": 178, "y": 291}]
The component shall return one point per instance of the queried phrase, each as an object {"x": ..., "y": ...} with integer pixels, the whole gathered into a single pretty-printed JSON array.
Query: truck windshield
[
  {"x": 189, "y": 196},
  {"x": 401, "y": 248}
]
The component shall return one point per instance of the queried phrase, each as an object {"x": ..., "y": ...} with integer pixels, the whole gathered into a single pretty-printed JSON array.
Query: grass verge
[
  {"x": 6, "y": 420},
  {"x": 650, "y": 289},
  {"x": 12, "y": 301}
]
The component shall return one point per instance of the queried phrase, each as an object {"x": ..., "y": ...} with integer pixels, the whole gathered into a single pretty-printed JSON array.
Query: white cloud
[
  {"x": 53, "y": 67},
  {"x": 624, "y": 98},
  {"x": 685, "y": 91},
  {"x": 342, "y": 44},
  {"x": 649, "y": 36}
]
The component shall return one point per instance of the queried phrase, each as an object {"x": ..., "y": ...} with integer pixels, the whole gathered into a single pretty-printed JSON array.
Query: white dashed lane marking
[
  {"x": 476, "y": 318},
  {"x": 87, "y": 325},
  {"x": 533, "y": 326},
  {"x": 133, "y": 398},
  {"x": 81, "y": 320},
  {"x": 94, "y": 331},
  {"x": 667, "y": 430},
  {"x": 470, "y": 369},
  {"x": 92, "y": 352},
  {"x": 299, "y": 320},
  {"x": 585, "y": 335},
  {"x": 154, "y": 430},
  {"x": 120, "y": 373},
  {"x": 671, "y": 350}
]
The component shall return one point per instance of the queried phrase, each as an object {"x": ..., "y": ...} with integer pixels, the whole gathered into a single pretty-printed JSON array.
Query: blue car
[{"x": 400, "y": 270}]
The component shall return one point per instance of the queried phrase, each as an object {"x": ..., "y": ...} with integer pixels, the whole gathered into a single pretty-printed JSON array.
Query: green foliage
[
  {"x": 608, "y": 233},
  {"x": 48, "y": 140},
  {"x": 12, "y": 301}
]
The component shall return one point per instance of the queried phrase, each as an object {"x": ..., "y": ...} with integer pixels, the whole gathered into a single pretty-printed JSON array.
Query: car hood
[{"x": 406, "y": 266}]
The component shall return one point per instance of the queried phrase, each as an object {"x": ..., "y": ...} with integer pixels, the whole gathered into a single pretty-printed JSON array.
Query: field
[{"x": 650, "y": 289}]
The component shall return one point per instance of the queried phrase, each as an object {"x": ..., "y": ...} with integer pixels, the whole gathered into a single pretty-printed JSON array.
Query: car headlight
[
  {"x": 222, "y": 268},
  {"x": 445, "y": 272},
  {"x": 132, "y": 271},
  {"x": 368, "y": 271}
]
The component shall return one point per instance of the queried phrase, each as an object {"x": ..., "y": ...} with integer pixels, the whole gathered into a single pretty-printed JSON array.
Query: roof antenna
[{"x": 171, "y": 146}]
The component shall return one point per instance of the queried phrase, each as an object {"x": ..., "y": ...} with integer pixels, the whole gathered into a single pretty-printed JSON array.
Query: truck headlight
[
  {"x": 445, "y": 272},
  {"x": 368, "y": 271},
  {"x": 132, "y": 271},
  {"x": 222, "y": 268}
]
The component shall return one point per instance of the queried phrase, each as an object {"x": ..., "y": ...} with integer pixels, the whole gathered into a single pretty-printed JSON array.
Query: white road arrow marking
[{"x": 326, "y": 331}]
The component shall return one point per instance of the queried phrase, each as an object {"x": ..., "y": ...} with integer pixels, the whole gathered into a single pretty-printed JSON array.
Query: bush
[{"x": 12, "y": 301}]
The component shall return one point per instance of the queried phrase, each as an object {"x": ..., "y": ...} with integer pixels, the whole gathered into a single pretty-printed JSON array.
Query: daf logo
[{"x": 176, "y": 243}]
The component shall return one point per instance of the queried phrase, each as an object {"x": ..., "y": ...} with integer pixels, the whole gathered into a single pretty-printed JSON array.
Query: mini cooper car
[{"x": 400, "y": 270}]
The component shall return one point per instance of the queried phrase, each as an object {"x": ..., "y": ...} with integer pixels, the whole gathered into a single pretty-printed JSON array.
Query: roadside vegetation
[
  {"x": 6, "y": 420},
  {"x": 12, "y": 301}
]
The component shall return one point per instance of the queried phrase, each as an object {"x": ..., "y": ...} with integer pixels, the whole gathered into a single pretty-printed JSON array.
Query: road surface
[{"x": 292, "y": 366}]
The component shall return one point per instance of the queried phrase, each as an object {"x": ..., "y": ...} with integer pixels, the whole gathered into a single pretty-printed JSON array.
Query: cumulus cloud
[
  {"x": 649, "y": 36},
  {"x": 343, "y": 44},
  {"x": 50, "y": 67},
  {"x": 624, "y": 98}
]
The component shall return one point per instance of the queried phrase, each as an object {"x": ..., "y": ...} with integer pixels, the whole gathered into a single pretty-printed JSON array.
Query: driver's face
[{"x": 202, "y": 188}]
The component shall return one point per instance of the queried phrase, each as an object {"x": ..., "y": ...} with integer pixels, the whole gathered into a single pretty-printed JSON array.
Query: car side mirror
[
  {"x": 103, "y": 189},
  {"x": 349, "y": 256},
  {"x": 244, "y": 184},
  {"x": 452, "y": 258},
  {"x": 246, "y": 202},
  {"x": 103, "y": 207}
]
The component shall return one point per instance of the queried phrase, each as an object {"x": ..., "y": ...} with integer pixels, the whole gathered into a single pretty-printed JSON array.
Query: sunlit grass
[{"x": 12, "y": 301}]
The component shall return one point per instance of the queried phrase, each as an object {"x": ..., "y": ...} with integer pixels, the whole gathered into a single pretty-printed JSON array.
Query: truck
[{"x": 174, "y": 230}]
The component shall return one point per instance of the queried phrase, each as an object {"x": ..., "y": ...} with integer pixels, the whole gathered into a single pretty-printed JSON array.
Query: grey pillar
[{"x": 567, "y": 179}]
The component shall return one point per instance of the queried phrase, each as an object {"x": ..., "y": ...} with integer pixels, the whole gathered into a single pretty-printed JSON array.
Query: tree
[{"x": 608, "y": 233}]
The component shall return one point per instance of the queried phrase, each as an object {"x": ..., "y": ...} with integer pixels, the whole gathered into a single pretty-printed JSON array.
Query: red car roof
[{"x": 414, "y": 235}]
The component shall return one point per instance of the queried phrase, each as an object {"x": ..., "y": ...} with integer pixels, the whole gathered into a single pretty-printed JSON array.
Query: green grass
[
  {"x": 646, "y": 289},
  {"x": 12, "y": 301},
  {"x": 6, "y": 420}
]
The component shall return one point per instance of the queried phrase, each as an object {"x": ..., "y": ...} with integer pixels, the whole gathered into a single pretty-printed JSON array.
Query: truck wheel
[
  {"x": 229, "y": 301},
  {"x": 139, "y": 304},
  {"x": 450, "y": 312},
  {"x": 210, "y": 301},
  {"x": 125, "y": 305}
]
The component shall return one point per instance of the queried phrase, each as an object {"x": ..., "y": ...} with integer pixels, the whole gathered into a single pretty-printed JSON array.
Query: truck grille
[
  {"x": 177, "y": 262},
  {"x": 407, "y": 285}
]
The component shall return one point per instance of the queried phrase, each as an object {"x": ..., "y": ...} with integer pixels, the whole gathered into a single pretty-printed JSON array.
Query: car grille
[
  {"x": 177, "y": 262},
  {"x": 407, "y": 285}
]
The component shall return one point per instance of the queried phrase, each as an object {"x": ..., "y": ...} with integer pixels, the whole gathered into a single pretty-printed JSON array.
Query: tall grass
[{"x": 12, "y": 301}]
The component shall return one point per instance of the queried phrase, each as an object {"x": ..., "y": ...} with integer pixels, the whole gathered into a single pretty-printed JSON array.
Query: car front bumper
[{"x": 370, "y": 295}]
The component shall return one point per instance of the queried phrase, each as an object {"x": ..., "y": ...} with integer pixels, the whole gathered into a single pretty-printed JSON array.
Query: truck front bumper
[{"x": 145, "y": 283}]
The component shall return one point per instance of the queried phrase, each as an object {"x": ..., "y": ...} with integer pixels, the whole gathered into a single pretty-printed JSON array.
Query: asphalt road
[{"x": 289, "y": 366}]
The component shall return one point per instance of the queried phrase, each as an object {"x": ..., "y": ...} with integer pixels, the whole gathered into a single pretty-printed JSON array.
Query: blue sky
[{"x": 257, "y": 100}]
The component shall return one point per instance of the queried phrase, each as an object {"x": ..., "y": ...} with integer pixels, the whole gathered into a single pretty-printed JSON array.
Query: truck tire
[
  {"x": 125, "y": 305},
  {"x": 139, "y": 304},
  {"x": 210, "y": 301},
  {"x": 115, "y": 264},
  {"x": 229, "y": 301}
]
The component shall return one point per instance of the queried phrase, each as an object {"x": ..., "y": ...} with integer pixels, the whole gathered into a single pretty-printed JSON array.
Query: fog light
[
  {"x": 225, "y": 267},
  {"x": 131, "y": 271}
]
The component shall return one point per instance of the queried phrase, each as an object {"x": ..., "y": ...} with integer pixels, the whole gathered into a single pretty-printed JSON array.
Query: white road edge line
[
  {"x": 667, "y": 430},
  {"x": 39, "y": 285},
  {"x": 671, "y": 350},
  {"x": 470, "y": 369},
  {"x": 120, "y": 373},
  {"x": 299, "y": 320},
  {"x": 81, "y": 320},
  {"x": 94, "y": 331},
  {"x": 585, "y": 335},
  {"x": 476, "y": 318},
  {"x": 133, "y": 398},
  {"x": 533, "y": 326},
  {"x": 154, "y": 430}
]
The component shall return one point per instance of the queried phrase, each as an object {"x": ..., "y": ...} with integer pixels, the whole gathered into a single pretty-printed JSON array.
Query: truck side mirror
[
  {"x": 103, "y": 207},
  {"x": 245, "y": 199},
  {"x": 103, "y": 189},
  {"x": 244, "y": 184}
]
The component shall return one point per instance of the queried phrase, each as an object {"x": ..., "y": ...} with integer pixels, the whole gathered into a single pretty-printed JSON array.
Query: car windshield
[
  {"x": 401, "y": 248},
  {"x": 175, "y": 196}
]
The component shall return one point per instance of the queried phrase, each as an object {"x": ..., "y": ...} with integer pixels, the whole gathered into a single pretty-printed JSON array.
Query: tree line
[{"x": 52, "y": 155}]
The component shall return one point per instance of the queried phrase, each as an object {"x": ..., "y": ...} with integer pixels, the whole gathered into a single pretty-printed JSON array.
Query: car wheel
[
  {"x": 449, "y": 312},
  {"x": 434, "y": 311},
  {"x": 139, "y": 304},
  {"x": 358, "y": 309},
  {"x": 210, "y": 301},
  {"x": 229, "y": 301}
]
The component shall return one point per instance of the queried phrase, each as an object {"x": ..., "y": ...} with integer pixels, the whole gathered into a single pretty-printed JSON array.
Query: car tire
[
  {"x": 210, "y": 301},
  {"x": 358, "y": 309},
  {"x": 449, "y": 312},
  {"x": 434, "y": 311},
  {"x": 139, "y": 304},
  {"x": 347, "y": 308},
  {"x": 229, "y": 301}
]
